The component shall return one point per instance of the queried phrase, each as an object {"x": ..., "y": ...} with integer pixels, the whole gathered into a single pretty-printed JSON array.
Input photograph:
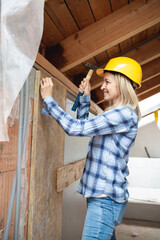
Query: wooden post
[{"x": 45, "y": 204}]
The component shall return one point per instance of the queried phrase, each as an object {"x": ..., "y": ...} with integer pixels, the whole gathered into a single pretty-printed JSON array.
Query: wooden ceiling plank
[
  {"x": 77, "y": 70},
  {"x": 147, "y": 52},
  {"x": 148, "y": 85},
  {"x": 113, "y": 51},
  {"x": 59, "y": 13},
  {"x": 49, "y": 37},
  {"x": 139, "y": 38},
  {"x": 81, "y": 12},
  {"x": 128, "y": 21},
  {"x": 150, "y": 69},
  {"x": 118, "y": 4},
  {"x": 149, "y": 93},
  {"x": 125, "y": 45},
  {"x": 100, "y": 8},
  {"x": 153, "y": 31},
  {"x": 101, "y": 58},
  {"x": 61, "y": 78}
]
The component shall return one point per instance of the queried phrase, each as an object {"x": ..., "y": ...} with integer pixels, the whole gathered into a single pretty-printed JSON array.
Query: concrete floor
[{"x": 138, "y": 230}]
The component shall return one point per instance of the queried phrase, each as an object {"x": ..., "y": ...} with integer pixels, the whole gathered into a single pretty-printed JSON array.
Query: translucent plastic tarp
[{"x": 20, "y": 35}]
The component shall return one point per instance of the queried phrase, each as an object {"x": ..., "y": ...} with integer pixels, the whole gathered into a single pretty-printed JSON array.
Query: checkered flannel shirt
[{"x": 112, "y": 135}]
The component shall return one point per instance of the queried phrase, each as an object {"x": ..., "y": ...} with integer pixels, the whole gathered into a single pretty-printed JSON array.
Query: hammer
[{"x": 88, "y": 77}]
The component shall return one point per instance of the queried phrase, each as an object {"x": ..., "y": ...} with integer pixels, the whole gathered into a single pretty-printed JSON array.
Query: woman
[{"x": 112, "y": 133}]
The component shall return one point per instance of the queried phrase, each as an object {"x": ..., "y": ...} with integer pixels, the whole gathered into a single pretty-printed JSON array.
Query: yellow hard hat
[{"x": 127, "y": 66}]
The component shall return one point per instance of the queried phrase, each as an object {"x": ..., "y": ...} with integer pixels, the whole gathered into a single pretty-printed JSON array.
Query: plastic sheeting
[{"x": 20, "y": 34}]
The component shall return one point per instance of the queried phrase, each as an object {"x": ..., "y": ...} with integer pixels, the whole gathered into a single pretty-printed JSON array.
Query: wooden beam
[
  {"x": 149, "y": 85},
  {"x": 146, "y": 52},
  {"x": 59, "y": 77},
  {"x": 149, "y": 93},
  {"x": 69, "y": 173},
  {"x": 109, "y": 31},
  {"x": 150, "y": 69},
  {"x": 148, "y": 55}
]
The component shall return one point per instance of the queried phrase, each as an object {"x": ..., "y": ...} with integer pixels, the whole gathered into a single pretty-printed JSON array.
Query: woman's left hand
[{"x": 46, "y": 87}]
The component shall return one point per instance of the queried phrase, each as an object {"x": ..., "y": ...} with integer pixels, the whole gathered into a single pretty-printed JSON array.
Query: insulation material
[{"x": 20, "y": 34}]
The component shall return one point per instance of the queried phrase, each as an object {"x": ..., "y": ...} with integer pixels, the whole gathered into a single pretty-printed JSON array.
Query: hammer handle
[{"x": 75, "y": 105}]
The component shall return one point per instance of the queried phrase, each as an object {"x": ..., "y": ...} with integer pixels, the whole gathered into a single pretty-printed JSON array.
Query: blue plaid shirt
[{"x": 112, "y": 135}]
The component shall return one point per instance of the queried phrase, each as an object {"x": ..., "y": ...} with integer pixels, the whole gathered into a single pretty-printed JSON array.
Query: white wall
[
  {"x": 145, "y": 175},
  {"x": 144, "y": 172},
  {"x": 148, "y": 136}
]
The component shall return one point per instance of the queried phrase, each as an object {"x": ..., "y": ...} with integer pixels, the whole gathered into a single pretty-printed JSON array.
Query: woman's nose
[{"x": 103, "y": 86}]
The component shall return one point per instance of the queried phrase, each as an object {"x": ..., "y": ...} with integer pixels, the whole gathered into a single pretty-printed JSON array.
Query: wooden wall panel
[{"x": 45, "y": 208}]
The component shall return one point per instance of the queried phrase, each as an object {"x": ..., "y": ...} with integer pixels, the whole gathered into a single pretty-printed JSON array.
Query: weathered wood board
[
  {"x": 45, "y": 204},
  {"x": 69, "y": 173}
]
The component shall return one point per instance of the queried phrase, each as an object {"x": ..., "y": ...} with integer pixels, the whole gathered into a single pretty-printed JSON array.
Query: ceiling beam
[
  {"x": 147, "y": 52},
  {"x": 147, "y": 55},
  {"x": 148, "y": 85},
  {"x": 107, "y": 32},
  {"x": 150, "y": 69},
  {"x": 149, "y": 93}
]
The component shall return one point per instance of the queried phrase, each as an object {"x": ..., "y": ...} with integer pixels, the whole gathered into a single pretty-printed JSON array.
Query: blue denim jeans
[{"x": 103, "y": 215}]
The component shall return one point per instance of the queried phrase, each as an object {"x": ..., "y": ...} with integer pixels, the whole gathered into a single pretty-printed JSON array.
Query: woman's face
[{"x": 110, "y": 88}]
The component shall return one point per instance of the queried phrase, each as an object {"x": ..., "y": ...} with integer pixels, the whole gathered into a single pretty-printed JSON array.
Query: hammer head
[{"x": 91, "y": 66}]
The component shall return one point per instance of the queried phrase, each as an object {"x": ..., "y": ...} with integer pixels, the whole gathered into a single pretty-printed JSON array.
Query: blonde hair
[{"x": 128, "y": 96}]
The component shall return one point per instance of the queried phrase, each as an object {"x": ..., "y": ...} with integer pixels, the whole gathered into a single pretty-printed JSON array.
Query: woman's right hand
[{"x": 85, "y": 87}]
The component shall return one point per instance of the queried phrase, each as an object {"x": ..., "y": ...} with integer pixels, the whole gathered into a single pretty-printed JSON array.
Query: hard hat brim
[{"x": 100, "y": 72}]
